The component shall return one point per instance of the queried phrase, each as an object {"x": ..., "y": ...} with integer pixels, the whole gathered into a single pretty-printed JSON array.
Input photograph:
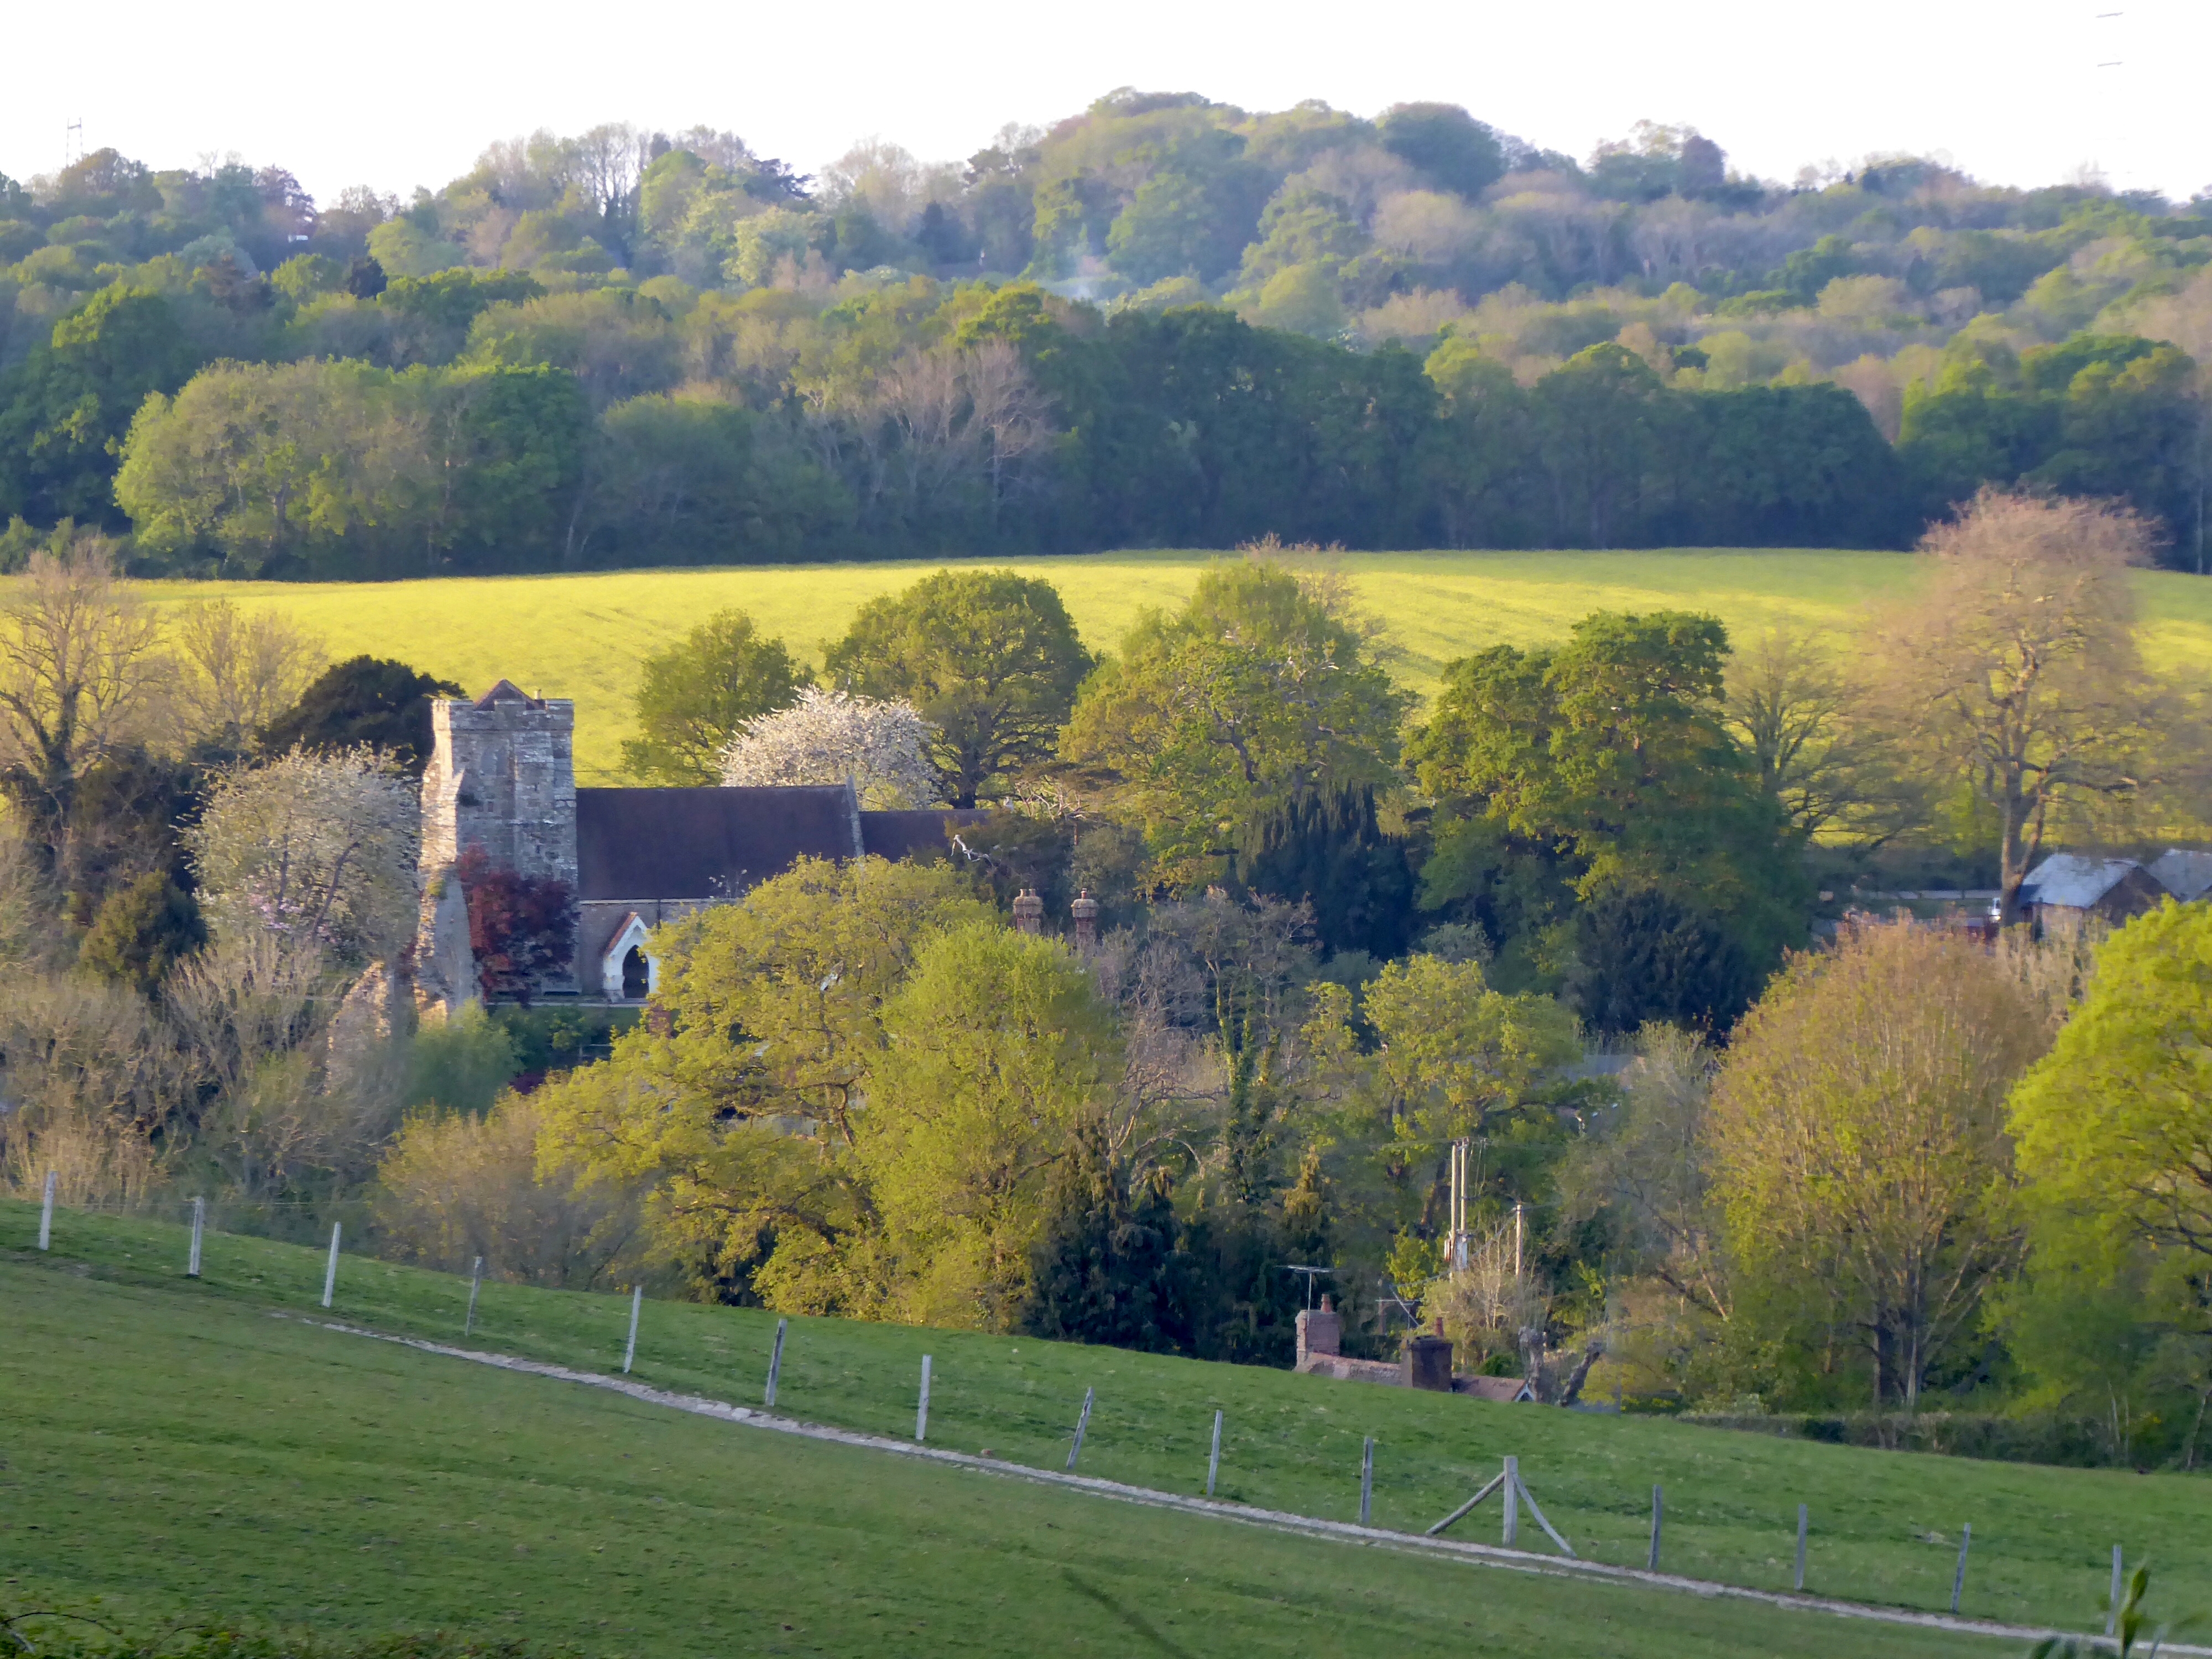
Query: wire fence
[{"x": 845, "y": 1387}]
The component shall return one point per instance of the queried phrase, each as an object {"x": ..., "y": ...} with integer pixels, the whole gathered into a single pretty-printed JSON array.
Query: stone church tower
[{"x": 501, "y": 776}]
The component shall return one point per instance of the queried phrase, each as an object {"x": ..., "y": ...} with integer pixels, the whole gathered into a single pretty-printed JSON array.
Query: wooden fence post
[
  {"x": 1467, "y": 1508},
  {"x": 922, "y": 1412},
  {"x": 1800, "y": 1547},
  {"x": 1367, "y": 1480},
  {"x": 46, "y": 1214},
  {"x": 1081, "y": 1424},
  {"x": 775, "y": 1362},
  {"x": 1658, "y": 1514},
  {"x": 1536, "y": 1511},
  {"x": 2119, "y": 1585},
  {"x": 1512, "y": 1502},
  {"x": 475, "y": 1284},
  {"x": 199, "y": 1224},
  {"x": 330, "y": 1272},
  {"x": 629, "y": 1349},
  {"x": 1958, "y": 1578},
  {"x": 1214, "y": 1461}
]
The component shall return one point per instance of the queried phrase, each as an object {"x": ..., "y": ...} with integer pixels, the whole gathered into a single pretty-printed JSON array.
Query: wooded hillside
[{"x": 1164, "y": 321}]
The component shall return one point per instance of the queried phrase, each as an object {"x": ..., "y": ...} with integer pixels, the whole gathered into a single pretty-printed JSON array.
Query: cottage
[{"x": 1427, "y": 1363}]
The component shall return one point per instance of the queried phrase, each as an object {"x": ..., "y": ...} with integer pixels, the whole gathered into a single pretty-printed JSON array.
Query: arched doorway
[{"x": 636, "y": 976}]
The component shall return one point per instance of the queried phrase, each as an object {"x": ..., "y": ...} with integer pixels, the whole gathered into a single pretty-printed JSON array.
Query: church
[{"x": 501, "y": 776}]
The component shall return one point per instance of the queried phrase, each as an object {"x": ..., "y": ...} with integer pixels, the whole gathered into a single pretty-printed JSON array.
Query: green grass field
[
  {"x": 581, "y": 636},
  {"x": 140, "y": 1399}
]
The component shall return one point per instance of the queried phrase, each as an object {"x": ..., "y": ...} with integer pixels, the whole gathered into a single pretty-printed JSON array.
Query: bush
[
  {"x": 460, "y": 1066},
  {"x": 141, "y": 932},
  {"x": 454, "y": 1187}
]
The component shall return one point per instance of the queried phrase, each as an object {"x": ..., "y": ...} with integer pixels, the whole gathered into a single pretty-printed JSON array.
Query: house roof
[
  {"x": 2072, "y": 882},
  {"x": 710, "y": 843},
  {"x": 1504, "y": 1390},
  {"x": 2187, "y": 876}
]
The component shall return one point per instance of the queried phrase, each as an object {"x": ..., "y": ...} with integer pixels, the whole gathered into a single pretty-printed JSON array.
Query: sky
[{"x": 407, "y": 92}]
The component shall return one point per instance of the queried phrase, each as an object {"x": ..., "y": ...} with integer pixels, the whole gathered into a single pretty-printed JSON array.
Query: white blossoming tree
[
  {"x": 827, "y": 737},
  {"x": 312, "y": 847}
]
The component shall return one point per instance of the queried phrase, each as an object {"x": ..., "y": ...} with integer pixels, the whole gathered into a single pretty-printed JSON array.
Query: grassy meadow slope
[
  {"x": 176, "y": 1456},
  {"x": 1885, "y": 1525},
  {"x": 581, "y": 636}
]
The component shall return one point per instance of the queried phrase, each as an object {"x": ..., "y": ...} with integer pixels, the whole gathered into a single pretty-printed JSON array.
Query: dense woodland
[
  {"x": 1164, "y": 321},
  {"x": 1739, "y": 1138}
]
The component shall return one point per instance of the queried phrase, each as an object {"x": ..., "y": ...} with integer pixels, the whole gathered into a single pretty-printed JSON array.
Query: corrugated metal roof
[
  {"x": 2071, "y": 881},
  {"x": 2187, "y": 876}
]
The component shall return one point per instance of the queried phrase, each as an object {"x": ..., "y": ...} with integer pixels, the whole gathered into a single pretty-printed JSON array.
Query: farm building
[
  {"x": 2068, "y": 887},
  {"x": 2187, "y": 876}
]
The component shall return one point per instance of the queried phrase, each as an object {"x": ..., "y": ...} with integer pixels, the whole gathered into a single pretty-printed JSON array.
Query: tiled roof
[
  {"x": 2073, "y": 882},
  {"x": 2187, "y": 876},
  {"x": 707, "y": 843}
]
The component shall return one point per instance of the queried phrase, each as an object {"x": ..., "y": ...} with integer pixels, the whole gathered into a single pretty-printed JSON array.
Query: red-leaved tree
[{"x": 522, "y": 928}]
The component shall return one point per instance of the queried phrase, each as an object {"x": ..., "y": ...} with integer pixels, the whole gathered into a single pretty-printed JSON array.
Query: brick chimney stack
[
  {"x": 1085, "y": 912},
  {"x": 1029, "y": 911},
  {"x": 1427, "y": 1360},
  {"x": 1321, "y": 1331}
]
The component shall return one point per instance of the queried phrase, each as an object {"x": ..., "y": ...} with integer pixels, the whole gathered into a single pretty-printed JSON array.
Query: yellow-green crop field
[{"x": 581, "y": 636}]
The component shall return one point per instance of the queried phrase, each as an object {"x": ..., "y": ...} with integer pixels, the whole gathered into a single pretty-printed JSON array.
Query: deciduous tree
[
  {"x": 2016, "y": 670},
  {"x": 236, "y": 670},
  {"x": 989, "y": 658},
  {"x": 1857, "y": 1138},
  {"x": 997, "y": 1048},
  {"x": 693, "y": 698},
  {"x": 2115, "y": 1123},
  {"x": 317, "y": 849},
  {"x": 1262, "y": 685},
  {"x": 741, "y": 1096},
  {"x": 830, "y": 737},
  {"x": 82, "y": 675}
]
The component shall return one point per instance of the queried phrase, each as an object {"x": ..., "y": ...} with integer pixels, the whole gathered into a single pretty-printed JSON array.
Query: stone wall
[{"x": 501, "y": 776}]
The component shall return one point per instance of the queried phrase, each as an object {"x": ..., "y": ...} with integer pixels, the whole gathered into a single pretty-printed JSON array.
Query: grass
[
  {"x": 171, "y": 1455},
  {"x": 582, "y": 637},
  {"x": 1885, "y": 1526}
]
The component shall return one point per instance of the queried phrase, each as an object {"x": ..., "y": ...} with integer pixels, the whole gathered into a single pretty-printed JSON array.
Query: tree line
[
  {"x": 1838, "y": 1161},
  {"x": 1878, "y": 1166},
  {"x": 1882, "y": 1171},
  {"x": 1164, "y": 322}
]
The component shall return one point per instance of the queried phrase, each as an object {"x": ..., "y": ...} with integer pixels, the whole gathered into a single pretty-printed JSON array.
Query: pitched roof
[
  {"x": 505, "y": 691},
  {"x": 710, "y": 843},
  {"x": 1504, "y": 1389},
  {"x": 2072, "y": 882},
  {"x": 2187, "y": 876}
]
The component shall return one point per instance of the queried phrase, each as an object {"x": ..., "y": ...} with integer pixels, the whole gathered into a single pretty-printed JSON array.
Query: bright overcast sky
[{"x": 407, "y": 92}]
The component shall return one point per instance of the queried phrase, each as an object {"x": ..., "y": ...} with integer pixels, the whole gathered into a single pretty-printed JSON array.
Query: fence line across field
[{"x": 1509, "y": 1482}]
